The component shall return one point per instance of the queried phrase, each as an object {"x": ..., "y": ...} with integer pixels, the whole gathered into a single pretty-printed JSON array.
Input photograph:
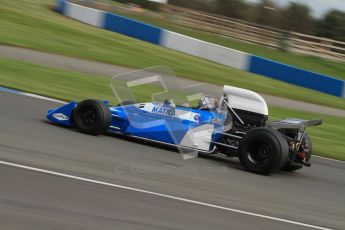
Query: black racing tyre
[
  {"x": 126, "y": 103},
  {"x": 263, "y": 151},
  {"x": 92, "y": 117},
  {"x": 293, "y": 167}
]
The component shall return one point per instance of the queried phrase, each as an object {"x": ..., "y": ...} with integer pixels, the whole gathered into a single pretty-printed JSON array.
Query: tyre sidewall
[
  {"x": 102, "y": 121},
  {"x": 277, "y": 145}
]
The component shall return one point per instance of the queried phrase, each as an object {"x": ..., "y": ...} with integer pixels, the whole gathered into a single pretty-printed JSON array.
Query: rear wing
[{"x": 294, "y": 123}]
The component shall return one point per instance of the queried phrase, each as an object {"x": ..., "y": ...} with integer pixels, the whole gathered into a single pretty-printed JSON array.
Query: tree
[
  {"x": 202, "y": 5},
  {"x": 265, "y": 13},
  {"x": 333, "y": 25},
  {"x": 296, "y": 17},
  {"x": 232, "y": 8}
]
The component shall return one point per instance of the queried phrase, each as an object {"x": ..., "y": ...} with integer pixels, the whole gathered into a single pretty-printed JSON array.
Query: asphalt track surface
[
  {"x": 36, "y": 200},
  {"x": 102, "y": 69}
]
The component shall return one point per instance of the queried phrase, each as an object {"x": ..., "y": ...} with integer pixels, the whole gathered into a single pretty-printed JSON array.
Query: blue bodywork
[{"x": 157, "y": 122}]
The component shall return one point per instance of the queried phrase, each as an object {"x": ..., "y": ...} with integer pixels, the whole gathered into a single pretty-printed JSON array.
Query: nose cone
[{"x": 62, "y": 115}]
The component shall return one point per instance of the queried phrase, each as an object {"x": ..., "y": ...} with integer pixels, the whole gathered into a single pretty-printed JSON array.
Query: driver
[
  {"x": 208, "y": 103},
  {"x": 169, "y": 102}
]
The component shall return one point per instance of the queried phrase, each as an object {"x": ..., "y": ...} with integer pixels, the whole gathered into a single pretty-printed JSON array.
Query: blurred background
[{"x": 302, "y": 26}]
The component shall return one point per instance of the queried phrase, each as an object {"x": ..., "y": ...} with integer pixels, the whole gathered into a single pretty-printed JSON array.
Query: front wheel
[
  {"x": 92, "y": 117},
  {"x": 263, "y": 151}
]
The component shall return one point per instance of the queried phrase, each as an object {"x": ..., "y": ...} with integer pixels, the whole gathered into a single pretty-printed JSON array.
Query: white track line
[
  {"x": 330, "y": 159},
  {"x": 41, "y": 97},
  {"x": 160, "y": 195}
]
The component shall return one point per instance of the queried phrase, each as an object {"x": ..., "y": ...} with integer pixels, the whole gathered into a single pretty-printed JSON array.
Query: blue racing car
[{"x": 234, "y": 125}]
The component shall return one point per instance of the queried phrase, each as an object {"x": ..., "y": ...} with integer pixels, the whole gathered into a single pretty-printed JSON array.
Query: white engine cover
[{"x": 245, "y": 100}]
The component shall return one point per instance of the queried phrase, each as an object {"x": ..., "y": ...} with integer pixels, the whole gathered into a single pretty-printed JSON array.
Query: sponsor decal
[
  {"x": 197, "y": 117},
  {"x": 60, "y": 117},
  {"x": 165, "y": 110}
]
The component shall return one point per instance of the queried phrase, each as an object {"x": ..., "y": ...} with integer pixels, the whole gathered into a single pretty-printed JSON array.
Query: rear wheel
[
  {"x": 92, "y": 117},
  {"x": 263, "y": 151}
]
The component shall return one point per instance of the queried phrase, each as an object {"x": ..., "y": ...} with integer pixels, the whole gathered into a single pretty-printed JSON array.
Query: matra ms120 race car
[{"x": 195, "y": 118}]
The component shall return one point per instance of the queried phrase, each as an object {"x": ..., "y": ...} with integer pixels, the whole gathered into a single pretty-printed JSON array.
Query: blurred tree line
[
  {"x": 143, "y": 3},
  {"x": 294, "y": 17}
]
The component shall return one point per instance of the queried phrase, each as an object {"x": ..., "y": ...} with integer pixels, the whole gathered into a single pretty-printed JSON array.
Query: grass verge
[
  {"x": 64, "y": 85},
  {"x": 31, "y": 24}
]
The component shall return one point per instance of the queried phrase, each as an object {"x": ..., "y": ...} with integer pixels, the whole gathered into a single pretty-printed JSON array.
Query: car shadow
[{"x": 231, "y": 162}]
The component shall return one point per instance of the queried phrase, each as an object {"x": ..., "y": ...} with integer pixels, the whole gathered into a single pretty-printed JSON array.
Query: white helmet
[{"x": 208, "y": 102}]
